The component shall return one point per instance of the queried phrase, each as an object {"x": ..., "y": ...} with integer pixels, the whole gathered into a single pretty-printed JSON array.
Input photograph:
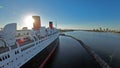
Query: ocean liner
[{"x": 27, "y": 48}]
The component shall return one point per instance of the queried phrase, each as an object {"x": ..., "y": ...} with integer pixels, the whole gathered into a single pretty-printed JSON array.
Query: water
[{"x": 71, "y": 54}]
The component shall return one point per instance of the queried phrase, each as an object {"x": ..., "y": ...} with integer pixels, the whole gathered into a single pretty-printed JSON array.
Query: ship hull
[{"x": 41, "y": 58}]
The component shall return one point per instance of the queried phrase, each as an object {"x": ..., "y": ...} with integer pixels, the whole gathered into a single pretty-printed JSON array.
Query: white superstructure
[{"x": 18, "y": 46}]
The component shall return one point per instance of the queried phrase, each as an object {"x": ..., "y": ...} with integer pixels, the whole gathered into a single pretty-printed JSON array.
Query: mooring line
[{"x": 98, "y": 59}]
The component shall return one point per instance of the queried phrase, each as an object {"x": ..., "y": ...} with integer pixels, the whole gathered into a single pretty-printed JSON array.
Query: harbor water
[{"x": 70, "y": 54}]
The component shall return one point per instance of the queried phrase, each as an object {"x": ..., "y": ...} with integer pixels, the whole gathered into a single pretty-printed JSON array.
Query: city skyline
[{"x": 80, "y": 14}]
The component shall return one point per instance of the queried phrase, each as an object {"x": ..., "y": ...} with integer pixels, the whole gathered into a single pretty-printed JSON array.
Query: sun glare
[{"x": 29, "y": 22}]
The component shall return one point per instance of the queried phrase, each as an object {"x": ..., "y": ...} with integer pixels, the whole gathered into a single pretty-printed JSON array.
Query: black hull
[{"x": 41, "y": 58}]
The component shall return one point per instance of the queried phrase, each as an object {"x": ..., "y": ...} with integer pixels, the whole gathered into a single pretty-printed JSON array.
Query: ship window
[
  {"x": 8, "y": 56},
  {"x": 5, "y": 57},
  {"x": 17, "y": 51},
  {"x": 0, "y": 59}
]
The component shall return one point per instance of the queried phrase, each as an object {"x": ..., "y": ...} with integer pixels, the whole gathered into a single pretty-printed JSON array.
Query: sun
[{"x": 29, "y": 22}]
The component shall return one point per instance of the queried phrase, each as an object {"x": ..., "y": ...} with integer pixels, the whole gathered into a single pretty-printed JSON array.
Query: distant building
[
  {"x": 107, "y": 29},
  {"x": 24, "y": 28},
  {"x": 100, "y": 29}
]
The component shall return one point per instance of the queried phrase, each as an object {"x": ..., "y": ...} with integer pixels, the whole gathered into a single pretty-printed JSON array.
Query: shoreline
[{"x": 90, "y": 31}]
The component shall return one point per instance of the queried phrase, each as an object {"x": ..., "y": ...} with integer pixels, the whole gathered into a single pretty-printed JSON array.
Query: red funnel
[
  {"x": 37, "y": 22},
  {"x": 50, "y": 25}
]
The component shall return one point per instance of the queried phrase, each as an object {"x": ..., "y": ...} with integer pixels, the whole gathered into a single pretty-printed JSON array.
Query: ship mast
[{"x": 56, "y": 23}]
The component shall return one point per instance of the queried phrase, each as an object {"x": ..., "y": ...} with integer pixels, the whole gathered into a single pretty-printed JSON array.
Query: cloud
[{"x": 1, "y": 6}]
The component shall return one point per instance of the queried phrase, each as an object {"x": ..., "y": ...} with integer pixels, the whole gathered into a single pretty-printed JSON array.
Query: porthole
[
  {"x": 12, "y": 61},
  {"x": 5, "y": 57},
  {"x": 0, "y": 59},
  {"x": 17, "y": 51},
  {"x": 8, "y": 56}
]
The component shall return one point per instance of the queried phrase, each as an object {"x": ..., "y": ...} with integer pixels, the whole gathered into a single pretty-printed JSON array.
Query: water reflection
[
  {"x": 105, "y": 44},
  {"x": 71, "y": 54}
]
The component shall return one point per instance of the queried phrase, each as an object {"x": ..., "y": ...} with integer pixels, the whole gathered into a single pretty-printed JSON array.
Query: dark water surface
[{"x": 71, "y": 54}]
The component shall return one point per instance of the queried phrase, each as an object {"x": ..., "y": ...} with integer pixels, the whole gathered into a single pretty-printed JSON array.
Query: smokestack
[
  {"x": 50, "y": 24},
  {"x": 37, "y": 22}
]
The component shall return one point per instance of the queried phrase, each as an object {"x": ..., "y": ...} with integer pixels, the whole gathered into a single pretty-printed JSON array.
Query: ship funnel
[
  {"x": 50, "y": 24},
  {"x": 37, "y": 22}
]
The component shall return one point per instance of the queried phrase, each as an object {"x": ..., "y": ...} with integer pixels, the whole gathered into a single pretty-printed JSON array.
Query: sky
[{"x": 67, "y": 14}]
